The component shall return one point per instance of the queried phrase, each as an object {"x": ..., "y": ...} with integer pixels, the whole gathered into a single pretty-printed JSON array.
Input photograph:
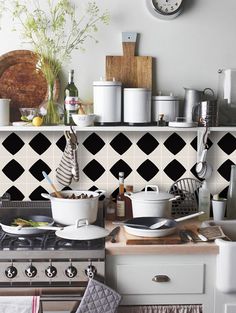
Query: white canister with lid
[
  {"x": 137, "y": 105},
  {"x": 107, "y": 101},
  {"x": 167, "y": 105}
]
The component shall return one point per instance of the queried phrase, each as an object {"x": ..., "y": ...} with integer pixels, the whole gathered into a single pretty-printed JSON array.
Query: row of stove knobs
[{"x": 51, "y": 271}]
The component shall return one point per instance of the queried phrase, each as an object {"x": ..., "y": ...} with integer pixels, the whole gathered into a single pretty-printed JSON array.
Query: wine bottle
[
  {"x": 231, "y": 197},
  {"x": 71, "y": 100},
  {"x": 120, "y": 200}
]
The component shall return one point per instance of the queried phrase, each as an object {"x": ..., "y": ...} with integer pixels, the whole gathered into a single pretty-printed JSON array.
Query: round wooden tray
[{"x": 20, "y": 82}]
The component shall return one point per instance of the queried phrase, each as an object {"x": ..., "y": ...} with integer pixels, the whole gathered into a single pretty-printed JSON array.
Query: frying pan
[
  {"x": 166, "y": 230},
  {"x": 6, "y": 224}
]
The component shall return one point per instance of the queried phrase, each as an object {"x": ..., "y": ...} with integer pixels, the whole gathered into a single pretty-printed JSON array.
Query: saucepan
[{"x": 168, "y": 228}]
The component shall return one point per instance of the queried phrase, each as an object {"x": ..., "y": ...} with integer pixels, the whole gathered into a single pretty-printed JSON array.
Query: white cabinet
[{"x": 191, "y": 279}]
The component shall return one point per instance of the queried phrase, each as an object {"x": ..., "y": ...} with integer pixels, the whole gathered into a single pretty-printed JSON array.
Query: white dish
[
  {"x": 83, "y": 120},
  {"x": 183, "y": 124},
  {"x": 20, "y": 123}
]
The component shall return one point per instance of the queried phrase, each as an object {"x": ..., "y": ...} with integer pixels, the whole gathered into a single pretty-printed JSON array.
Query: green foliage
[{"x": 54, "y": 30}]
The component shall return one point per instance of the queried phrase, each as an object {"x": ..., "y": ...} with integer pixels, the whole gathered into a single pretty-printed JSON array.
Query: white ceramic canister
[
  {"x": 137, "y": 105},
  {"x": 167, "y": 105},
  {"x": 4, "y": 112},
  {"x": 107, "y": 101}
]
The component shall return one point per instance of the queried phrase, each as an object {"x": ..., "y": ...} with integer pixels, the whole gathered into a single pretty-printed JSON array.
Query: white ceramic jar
[
  {"x": 4, "y": 112},
  {"x": 107, "y": 101},
  {"x": 167, "y": 105},
  {"x": 137, "y": 105}
]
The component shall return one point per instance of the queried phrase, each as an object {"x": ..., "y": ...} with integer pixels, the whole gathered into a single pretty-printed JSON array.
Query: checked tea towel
[{"x": 99, "y": 298}]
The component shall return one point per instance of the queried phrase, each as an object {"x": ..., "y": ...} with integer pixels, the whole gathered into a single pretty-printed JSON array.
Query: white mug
[
  {"x": 218, "y": 208},
  {"x": 4, "y": 112}
]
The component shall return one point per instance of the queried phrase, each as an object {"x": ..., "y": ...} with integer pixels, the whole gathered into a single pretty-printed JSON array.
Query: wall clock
[{"x": 165, "y": 9}]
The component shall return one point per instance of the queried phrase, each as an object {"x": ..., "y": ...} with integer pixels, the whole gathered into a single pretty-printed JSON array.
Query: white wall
[{"x": 188, "y": 50}]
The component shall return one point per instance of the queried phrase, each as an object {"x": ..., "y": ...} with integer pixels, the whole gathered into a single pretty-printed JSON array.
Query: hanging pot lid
[
  {"x": 82, "y": 230},
  {"x": 151, "y": 195}
]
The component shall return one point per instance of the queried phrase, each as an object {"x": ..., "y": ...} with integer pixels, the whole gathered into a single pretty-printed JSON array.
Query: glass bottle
[
  {"x": 204, "y": 201},
  {"x": 111, "y": 209},
  {"x": 120, "y": 200},
  {"x": 128, "y": 202},
  {"x": 71, "y": 100},
  {"x": 231, "y": 197}
]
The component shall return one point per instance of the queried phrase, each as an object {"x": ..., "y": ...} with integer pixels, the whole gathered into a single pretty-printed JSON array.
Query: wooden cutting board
[
  {"x": 169, "y": 240},
  {"x": 133, "y": 71}
]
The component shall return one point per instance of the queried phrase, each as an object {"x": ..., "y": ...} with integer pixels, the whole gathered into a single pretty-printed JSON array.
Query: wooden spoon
[{"x": 52, "y": 185}]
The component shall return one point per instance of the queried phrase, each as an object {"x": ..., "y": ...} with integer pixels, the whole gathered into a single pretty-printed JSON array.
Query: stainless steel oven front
[{"x": 55, "y": 269}]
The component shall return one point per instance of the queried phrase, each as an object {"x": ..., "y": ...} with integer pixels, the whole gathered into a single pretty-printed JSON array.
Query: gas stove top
[{"x": 45, "y": 259}]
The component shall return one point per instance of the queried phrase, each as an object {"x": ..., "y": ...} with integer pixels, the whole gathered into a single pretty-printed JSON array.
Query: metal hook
[{"x": 204, "y": 139}]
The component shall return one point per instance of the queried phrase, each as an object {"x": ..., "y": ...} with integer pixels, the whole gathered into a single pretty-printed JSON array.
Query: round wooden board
[{"x": 20, "y": 82}]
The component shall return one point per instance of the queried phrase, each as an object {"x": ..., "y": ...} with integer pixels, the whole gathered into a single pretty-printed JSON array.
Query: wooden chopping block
[
  {"x": 133, "y": 71},
  {"x": 168, "y": 240}
]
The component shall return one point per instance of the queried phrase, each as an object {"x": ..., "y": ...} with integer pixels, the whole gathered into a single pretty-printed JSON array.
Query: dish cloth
[
  {"x": 68, "y": 167},
  {"x": 19, "y": 304},
  {"x": 99, "y": 298}
]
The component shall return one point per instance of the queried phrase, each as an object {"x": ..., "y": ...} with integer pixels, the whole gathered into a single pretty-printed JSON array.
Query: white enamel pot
[
  {"x": 66, "y": 211},
  {"x": 151, "y": 203}
]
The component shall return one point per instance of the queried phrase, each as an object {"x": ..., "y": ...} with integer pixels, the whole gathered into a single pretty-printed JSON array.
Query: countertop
[{"x": 121, "y": 248}]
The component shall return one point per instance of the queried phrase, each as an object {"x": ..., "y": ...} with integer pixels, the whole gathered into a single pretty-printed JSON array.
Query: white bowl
[{"x": 83, "y": 120}]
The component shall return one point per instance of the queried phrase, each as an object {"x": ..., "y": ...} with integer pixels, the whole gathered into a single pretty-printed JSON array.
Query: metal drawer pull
[{"x": 161, "y": 279}]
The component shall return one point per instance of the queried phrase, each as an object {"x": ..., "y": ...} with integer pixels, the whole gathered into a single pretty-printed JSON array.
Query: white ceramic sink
[{"x": 226, "y": 259}]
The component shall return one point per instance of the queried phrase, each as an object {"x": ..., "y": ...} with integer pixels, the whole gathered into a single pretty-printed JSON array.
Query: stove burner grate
[{"x": 46, "y": 241}]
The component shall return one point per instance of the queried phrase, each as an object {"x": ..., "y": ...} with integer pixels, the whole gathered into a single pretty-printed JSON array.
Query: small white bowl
[{"x": 83, "y": 120}]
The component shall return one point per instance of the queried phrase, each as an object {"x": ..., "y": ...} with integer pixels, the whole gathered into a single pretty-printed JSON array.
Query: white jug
[{"x": 4, "y": 112}]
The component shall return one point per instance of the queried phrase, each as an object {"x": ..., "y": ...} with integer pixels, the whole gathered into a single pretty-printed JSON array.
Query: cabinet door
[{"x": 160, "y": 279}]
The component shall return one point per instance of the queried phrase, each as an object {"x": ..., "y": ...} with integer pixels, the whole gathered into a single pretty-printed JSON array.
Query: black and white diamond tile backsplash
[{"x": 157, "y": 158}]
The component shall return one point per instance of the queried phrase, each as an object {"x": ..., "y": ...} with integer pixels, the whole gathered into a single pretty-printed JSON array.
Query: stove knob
[
  {"x": 51, "y": 271},
  {"x": 31, "y": 271},
  {"x": 91, "y": 271},
  {"x": 71, "y": 271},
  {"x": 11, "y": 272}
]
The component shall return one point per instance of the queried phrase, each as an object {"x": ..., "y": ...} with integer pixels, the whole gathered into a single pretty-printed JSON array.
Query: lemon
[{"x": 37, "y": 121}]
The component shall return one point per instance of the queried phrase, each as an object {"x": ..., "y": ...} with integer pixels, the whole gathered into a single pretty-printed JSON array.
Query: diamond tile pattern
[
  {"x": 13, "y": 170},
  {"x": 120, "y": 166},
  {"x": 174, "y": 170},
  {"x": 174, "y": 143},
  {"x": 121, "y": 143},
  {"x": 227, "y": 143},
  {"x": 94, "y": 170},
  {"x": 40, "y": 143},
  {"x": 140, "y": 162},
  {"x": 147, "y": 170},
  {"x": 225, "y": 169},
  {"x": 61, "y": 143},
  {"x": 94, "y": 143},
  {"x": 147, "y": 143},
  {"x": 15, "y": 193},
  {"x": 37, "y": 168},
  {"x": 13, "y": 143},
  {"x": 36, "y": 194}
]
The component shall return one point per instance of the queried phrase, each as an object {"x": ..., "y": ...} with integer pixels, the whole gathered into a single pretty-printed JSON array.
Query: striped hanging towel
[{"x": 68, "y": 168}]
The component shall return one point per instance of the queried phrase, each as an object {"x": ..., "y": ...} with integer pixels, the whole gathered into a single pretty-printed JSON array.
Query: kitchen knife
[{"x": 113, "y": 234}]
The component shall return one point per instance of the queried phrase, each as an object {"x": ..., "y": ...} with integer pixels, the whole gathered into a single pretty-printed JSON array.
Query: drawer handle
[{"x": 161, "y": 279}]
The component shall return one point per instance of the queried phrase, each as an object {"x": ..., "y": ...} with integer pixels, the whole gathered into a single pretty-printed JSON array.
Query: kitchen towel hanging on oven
[
  {"x": 99, "y": 298},
  {"x": 68, "y": 168},
  {"x": 19, "y": 304}
]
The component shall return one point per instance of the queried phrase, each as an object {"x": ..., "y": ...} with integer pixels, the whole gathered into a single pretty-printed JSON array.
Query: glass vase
[{"x": 52, "y": 116}]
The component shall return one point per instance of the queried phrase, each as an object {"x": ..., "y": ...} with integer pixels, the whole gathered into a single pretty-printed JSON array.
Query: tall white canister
[
  {"x": 4, "y": 112},
  {"x": 137, "y": 105},
  {"x": 107, "y": 102}
]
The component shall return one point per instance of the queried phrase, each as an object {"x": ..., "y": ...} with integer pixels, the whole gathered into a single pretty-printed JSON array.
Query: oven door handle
[{"x": 60, "y": 298}]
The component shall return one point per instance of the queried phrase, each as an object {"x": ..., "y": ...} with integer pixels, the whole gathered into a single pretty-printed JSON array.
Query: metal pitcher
[{"x": 193, "y": 97}]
